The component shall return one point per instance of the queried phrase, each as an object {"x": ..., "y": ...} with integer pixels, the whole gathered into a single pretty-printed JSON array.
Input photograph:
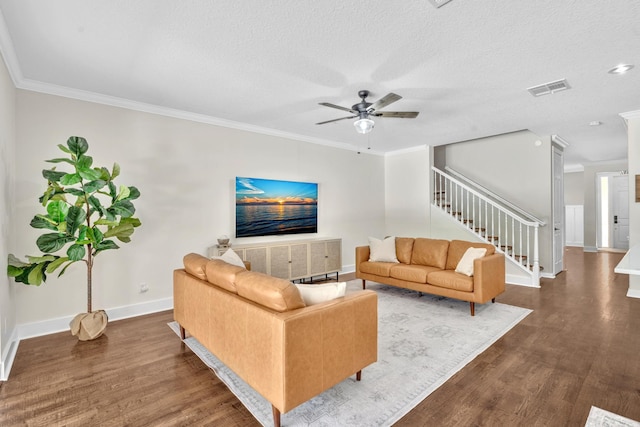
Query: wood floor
[{"x": 579, "y": 347}]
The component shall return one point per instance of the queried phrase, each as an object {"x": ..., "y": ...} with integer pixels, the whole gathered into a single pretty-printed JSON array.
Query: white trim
[
  {"x": 633, "y": 293},
  {"x": 548, "y": 275},
  {"x": 590, "y": 249},
  {"x": 630, "y": 115},
  {"x": 8, "y": 52},
  {"x": 61, "y": 324},
  {"x": 560, "y": 141},
  {"x": 514, "y": 279},
  {"x": 9, "y": 356}
]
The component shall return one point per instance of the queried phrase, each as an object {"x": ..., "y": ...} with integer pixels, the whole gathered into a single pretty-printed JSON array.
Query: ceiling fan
[{"x": 365, "y": 109}]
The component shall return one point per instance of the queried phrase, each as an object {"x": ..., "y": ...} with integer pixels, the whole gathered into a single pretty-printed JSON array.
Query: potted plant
[{"x": 85, "y": 211}]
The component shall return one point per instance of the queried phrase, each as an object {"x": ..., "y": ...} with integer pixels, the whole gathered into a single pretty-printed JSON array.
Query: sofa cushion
[
  {"x": 230, "y": 257},
  {"x": 411, "y": 273},
  {"x": 271, "y": 292},
  {"x": 315, "y": 294},
  {"x": 465, "y": 266},
  {"x": 430, "y": 252},
  {"x": 404, "y": 247},
  {"x": 195, "y": 265},
  {"x": 457, "y": 248},
  {"x": 377, "y": 268},
  {"x": 223, "y": 274},
  {"x": 451, "y": 280},
  {"x": 382, "y": 250}
]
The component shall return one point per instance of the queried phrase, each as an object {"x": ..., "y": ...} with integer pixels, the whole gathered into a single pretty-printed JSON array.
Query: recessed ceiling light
[
  {"x": 620, "y": 69},
  {"x": 595, "y": 123}
]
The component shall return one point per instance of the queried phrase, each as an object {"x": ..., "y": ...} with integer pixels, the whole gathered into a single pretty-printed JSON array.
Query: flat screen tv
[{"x": 267, "y": 207}]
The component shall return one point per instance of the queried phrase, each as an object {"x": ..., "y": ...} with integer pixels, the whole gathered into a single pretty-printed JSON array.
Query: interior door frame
[
  {"x": 599, "y": 243},
  {"x": 557, "y": 209}
]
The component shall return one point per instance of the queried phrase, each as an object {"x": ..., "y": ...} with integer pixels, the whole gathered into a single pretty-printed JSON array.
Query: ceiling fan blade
[
  {"x": 335, "y": 120},
  {"x": 384, "y": 101},
  {"x": 397, "y": 114},
  {"x": 327, "y": 104}
]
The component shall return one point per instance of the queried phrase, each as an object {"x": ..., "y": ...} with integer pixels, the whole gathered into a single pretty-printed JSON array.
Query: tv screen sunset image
[{"x": 267, "y": 207}]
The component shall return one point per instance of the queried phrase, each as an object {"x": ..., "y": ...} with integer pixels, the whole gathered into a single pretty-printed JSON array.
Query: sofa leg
[
  {"x": 359, "y": 375},
  {"x": 473, "y": 308},
  {"x": 276, "y": 416},
  {"x": 183, "y": 333},
  {"x": 493, "y": 300},
  {"x": 364, "y": 282}
]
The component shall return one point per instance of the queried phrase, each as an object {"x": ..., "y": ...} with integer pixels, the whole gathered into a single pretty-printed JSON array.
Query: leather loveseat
[
  {"x": 429, "y": 266},
  {"x": 260, "y": 328}
]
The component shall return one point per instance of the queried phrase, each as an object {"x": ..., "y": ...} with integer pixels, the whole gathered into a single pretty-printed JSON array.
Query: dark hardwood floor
[{"x": 579, "y": 347}]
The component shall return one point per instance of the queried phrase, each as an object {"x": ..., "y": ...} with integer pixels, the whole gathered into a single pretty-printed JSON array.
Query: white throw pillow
[
  {"x": 230, "y": 257},
  {"x": 465, "y": 265},
  {"x": 315, "y": 294},
  {"x": 382, "y": 250}
]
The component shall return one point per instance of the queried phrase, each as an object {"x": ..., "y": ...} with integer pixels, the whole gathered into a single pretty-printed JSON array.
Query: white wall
[
  {"x": 407, "y": 192},
  {"x": 634, "y": 207},
  {"x": 185, "y": 171},
  {"x": 7, "y": 144}
]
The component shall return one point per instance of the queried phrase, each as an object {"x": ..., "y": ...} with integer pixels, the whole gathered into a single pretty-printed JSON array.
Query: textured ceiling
[{"x": 265, "y": 65}]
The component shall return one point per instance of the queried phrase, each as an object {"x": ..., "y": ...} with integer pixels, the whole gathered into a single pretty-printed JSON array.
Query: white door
[
  {"x": 558, "y": 211},
  {"x": 620, "y": 211}
]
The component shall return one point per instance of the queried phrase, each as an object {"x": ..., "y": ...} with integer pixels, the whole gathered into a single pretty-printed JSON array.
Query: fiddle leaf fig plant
[{"x": 85, "y": 214}]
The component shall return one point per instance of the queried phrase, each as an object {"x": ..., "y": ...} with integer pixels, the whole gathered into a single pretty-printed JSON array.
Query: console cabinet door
[
  {"x": 318, "y": 258},
  {"x": 299, "y": 263},
  {"x": 279, "y": 261},
  {"x": 258, "y": 258},
  {"x": 334, "y": 256}
]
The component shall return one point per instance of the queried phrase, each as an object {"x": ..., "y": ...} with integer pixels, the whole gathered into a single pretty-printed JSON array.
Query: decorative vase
[{"x": 89, "y": 326}]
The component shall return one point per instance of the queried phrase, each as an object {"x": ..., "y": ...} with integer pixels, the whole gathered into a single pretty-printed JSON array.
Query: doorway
[{"x": 613, "y": 210}]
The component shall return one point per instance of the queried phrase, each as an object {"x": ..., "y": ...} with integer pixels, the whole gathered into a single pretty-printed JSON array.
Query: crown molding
[
  {"x": 560, "y": 141},
  {"x": 8, "y": 52},
  {"x": 630, "y": 115}
]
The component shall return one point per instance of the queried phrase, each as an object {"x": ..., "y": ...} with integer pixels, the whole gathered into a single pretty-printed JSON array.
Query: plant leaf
[
  {"x": 63, "y": 148},
  {"x": 15, "y": 261},
  {"x": 57, "y": 263},
  {"x": 123, "y": 193},
  {"x": 36, "y": 275},
  {"x": 105, "y": 245},
  {"x": 122, "y": 230},
  {"x": 78, "y": 145},
  {"x": 115, "y": 171},
  {"x": 14, "y": 271},
  {"x": 60, "y": 160},
  {"x": 134, "y": 193},
  {"x": 133, "y": 221},
  {"x": 70, "y": 179},
  {"x": 96, "y": 206},
  {"x": 124, "y": 208},
  {"x": 41, "y": 221},
  {"x": 112, "y": 191},
  {"x": 53, "y": 176},
  {"x": 57, "y": 211},
  {"x": 90, "y": 174},
  {"x": 75, "y": 217},
  {"x": 84, "y": 162},
  {"x": 93, "y": 186},
  {"x": 39, "y": 259},
  {"x": 113, "y": 223},
  {"x": 76, "y": 252},
  {"x": 74, "y": 191},
  {"x": 53, "y": 242}
]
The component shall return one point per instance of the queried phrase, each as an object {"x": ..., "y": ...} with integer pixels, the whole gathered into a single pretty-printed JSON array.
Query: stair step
[
  {"x": 507, "y": 248},
  {"x": 480, "y": 230},
  {"x": 492, "y": 238},
  {"x": 467, "y": 221},
  {"x": 521, "y": 258}
]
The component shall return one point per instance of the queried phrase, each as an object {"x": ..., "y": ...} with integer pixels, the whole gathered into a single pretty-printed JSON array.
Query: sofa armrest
[
  {"x": 488, "y": 277},
  {"x": 362, "y": 255}
]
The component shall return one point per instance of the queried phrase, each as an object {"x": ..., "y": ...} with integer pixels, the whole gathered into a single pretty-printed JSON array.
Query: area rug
[
  {"x": 423, "y": 340},
  {"x": 601, "y": 418}
]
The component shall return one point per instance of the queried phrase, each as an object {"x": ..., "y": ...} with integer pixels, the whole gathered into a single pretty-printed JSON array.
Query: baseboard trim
[
  {"x": 520, "y": 281},
  {"x": 61, "y": 324},
  {"x": 590, "y": 249},
  {"x": 633, "y": 293},
  {"x": 8, "y": 356}
]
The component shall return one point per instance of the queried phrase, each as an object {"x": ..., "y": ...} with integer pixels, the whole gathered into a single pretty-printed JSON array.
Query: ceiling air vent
[
  {"x": 551, "y": 87},
  {"x": 439, "y": 3}
]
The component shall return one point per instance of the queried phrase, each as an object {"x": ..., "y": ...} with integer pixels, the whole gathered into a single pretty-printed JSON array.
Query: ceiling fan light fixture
[{"x": 363, "y": 125}]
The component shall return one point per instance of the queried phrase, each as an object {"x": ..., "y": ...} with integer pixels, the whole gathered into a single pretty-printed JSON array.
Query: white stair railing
[{"x": 511, "y": 233}]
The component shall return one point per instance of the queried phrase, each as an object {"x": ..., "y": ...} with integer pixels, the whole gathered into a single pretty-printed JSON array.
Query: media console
[{"x": 291, "y": 260}]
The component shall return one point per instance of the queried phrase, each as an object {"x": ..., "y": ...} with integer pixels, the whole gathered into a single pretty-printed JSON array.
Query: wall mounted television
[{"x": 267, "y": 207}]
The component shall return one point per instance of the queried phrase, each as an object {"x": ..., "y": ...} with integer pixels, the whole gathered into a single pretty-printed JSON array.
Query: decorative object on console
[
  {"x": 382, "y": 250},
  {"x": 223, "y": 241},
  {"x": 267, "y": 207},
  {"x": 87, "y": 223}
]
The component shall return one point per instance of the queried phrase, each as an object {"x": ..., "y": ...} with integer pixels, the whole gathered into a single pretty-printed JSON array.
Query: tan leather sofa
[
  {"x": 428, "y": 265},
  {"x": 260, "y": 328}
]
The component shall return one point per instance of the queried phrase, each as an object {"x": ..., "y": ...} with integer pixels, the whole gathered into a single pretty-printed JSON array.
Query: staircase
[{"x": 510, "y": 229}]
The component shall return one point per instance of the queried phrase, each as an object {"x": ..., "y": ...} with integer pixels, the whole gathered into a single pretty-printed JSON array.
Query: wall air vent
[{"x": 548, "y": 88}]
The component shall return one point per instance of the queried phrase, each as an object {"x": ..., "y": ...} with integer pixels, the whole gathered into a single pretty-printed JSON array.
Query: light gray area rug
[
  {"x": 422, "y": 342},
  {"x": 601, "y": 418}
]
